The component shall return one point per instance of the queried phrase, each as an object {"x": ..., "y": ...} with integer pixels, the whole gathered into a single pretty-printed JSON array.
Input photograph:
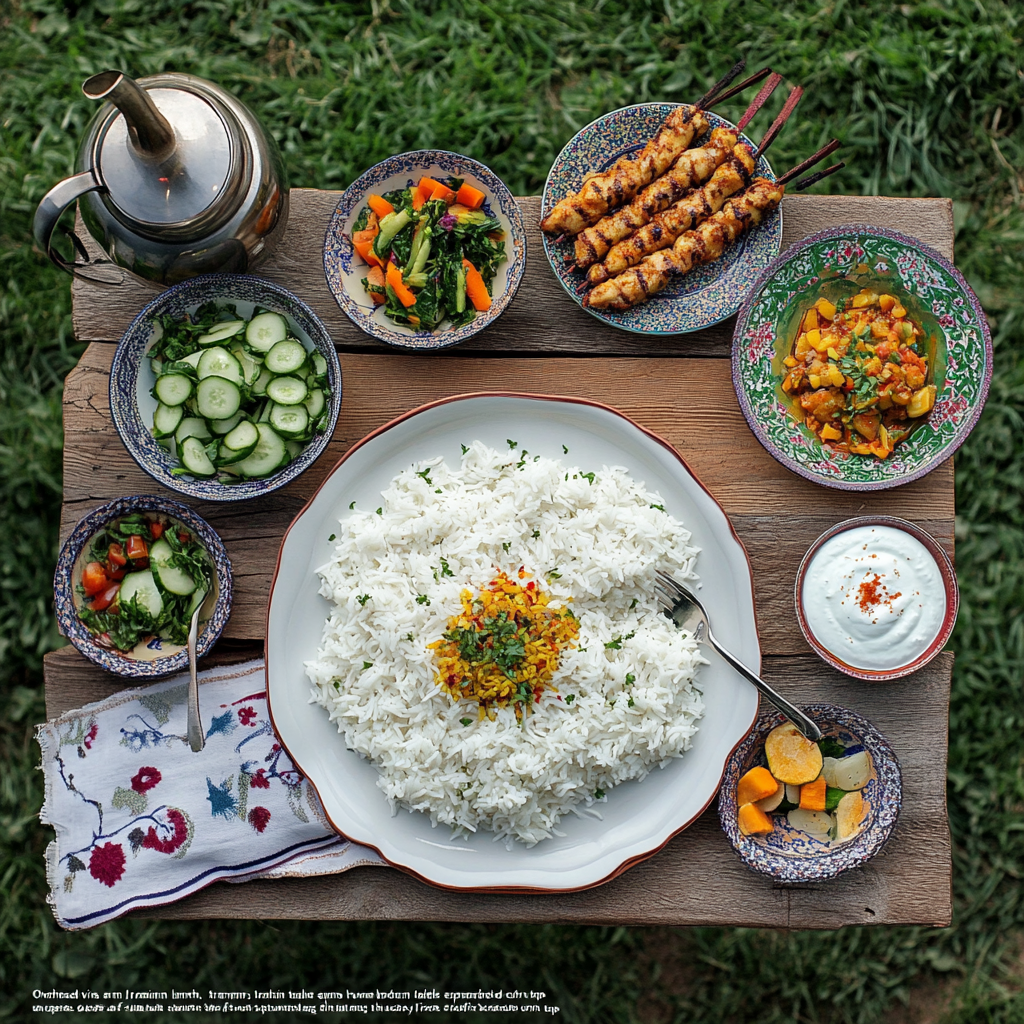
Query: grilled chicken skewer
[
  {"x": 693, "y": 167},
  {"x": 701, "y": 245},
  {"x": 692, "y": 248},
  {"x": 621, "y": 182},
  {"x": 695, "y": 207}
]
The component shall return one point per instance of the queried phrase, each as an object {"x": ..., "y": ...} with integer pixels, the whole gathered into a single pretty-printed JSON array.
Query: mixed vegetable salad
[
  {"x": 145, "y": 577},
  {"x": 816, "y": 785},
  {"x": 433, "y": 252},
  {"x": 236, "y": 398}
]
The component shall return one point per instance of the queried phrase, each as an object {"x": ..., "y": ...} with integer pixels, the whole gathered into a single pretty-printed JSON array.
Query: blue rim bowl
[
  {"x": 790, "y": 856},
  {"x": 345, "y": 269},
  {"x": 69, "y": 574},
  {"x": 131, "y": 379},
  {"x": 707, "y": 295}
]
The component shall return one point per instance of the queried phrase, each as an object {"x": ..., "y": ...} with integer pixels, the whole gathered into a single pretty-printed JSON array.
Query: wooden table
[{"x": 673, "y": 386}]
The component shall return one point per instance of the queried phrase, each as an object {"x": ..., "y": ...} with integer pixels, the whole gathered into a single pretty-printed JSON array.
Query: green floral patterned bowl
[{"x": 837, "y": 263}]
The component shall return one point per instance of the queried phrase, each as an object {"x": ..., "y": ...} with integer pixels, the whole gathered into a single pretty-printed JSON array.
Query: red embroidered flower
[
  {"x": 146, "y": 778},
  {"x": 91, "y": 735},
  {"x": 154, "y": 842},
  {"x": 246, "y": 716},
  {"x": 258, "y": 818},
  {"x": 259, "y": 780},
  {"x": 106, "y": 864}
]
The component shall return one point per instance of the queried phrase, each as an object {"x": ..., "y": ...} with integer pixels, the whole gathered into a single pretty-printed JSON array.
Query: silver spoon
[
  {"x": 688, "y": 613},
  {"x": 195, "y": 726}
]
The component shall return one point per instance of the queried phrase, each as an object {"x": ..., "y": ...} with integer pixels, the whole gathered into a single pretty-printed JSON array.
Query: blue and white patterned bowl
[
  {"x": 345, "y": 269},
  {"x": 156, "y": 657},
  {"x": 703, "y": 297},
  {"x": 131, "y": 379},
  {"x": 789, "y": 855}
]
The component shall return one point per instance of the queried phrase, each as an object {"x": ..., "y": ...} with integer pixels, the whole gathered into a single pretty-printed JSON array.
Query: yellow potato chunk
[
  {"x": 755, "y": 785},
  {"x": 922, "y": 402},
  {"x": 811, "y": 320},
  {"x": 830, "y": 433},
  {"x": 792, "y": 758},
  {"x": 849, "y": 815},
  {"x": 886, "y": 302},
  {"x": 752, "y": 819},
  {"x": 825, "y": 308}
]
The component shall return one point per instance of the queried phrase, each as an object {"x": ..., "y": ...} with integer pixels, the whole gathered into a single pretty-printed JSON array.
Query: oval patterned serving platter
[
  {"x": 704, "y": 297},
  {"x": 836, "y": 263},
  {"x": 345, "y": 269},
  {"x": 789, "y": 855}
]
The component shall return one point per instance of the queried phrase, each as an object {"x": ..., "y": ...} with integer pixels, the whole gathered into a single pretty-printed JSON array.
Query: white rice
[{"x": 375, "y": 675}]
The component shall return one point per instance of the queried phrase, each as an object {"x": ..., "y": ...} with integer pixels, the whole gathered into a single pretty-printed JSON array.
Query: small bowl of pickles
[{"x": 802, "y": 811}]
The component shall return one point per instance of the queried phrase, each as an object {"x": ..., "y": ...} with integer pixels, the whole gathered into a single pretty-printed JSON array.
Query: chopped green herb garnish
[
  {"x": 564, "y": 449},
  {"x": 380, "y": 511},
  {"x": 422, "y": 599},
  {"x": 464, "y": 449},
  {"x": 660, "y": 508},
  {"x": 570, "y": 698},
  {"x": 630, "y": 679},
  {"x": 466, "y": 721},
  {"x": 505, "y": 546},
  {"x": 630, "y": 702},
  {"x": 599, "y": 794},
  {"x": 409, "y": 636},
  {"x": 587, "y": 476},
  {"x": 536, "y": 533},
  {"x": 553, "y": 574},
  {"x": 367, "y": 664},
  {"x": 438, "y": 491},
  {"x": 511, "y": 443},
  {"x": 615, "y": 644},
  {"x": 632, "y": 604},
  {"x": 445, "y": 571},
  {"x": 426, "y": 475},
  {"x": 363, "y": 598},
  {"x": 332, "y": 536},
  {"x": 352, "y": 505}
]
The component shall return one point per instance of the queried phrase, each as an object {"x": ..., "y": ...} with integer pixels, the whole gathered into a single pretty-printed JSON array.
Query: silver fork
[
  {"x": 682, "y": 606},
  {"x": 195, "y": 724}
]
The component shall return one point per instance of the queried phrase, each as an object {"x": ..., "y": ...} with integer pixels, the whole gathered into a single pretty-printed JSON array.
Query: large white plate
[{"x": 638, "y": 817}]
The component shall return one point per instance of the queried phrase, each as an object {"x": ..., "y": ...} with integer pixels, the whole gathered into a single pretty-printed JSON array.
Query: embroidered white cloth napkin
[{"x": 141, "y": 820}]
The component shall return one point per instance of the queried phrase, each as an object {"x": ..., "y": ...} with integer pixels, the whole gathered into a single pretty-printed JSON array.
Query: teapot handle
[{"x": 49, "y": 212}]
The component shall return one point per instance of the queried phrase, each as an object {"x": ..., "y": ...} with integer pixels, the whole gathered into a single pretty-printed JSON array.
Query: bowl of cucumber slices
[
  {"x": 129, "y": 578},
  {"x": 225, "y": 387}
]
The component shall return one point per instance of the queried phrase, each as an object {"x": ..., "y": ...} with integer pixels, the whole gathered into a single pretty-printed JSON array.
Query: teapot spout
[{"x": 151, "y": 136}]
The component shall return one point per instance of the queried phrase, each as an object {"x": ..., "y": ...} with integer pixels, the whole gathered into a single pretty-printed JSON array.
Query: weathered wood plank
[
  {"x": 542, "y": 319},
  {"x": 777, "y": 514},
  {"x": 695, "y": 880}
]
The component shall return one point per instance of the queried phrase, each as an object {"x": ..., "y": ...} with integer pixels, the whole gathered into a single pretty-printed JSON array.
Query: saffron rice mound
[{"x": 621, "y": 697}]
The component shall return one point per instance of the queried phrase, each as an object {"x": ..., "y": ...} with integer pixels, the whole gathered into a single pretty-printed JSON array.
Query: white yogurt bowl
[{"x": 876, "y": 597}]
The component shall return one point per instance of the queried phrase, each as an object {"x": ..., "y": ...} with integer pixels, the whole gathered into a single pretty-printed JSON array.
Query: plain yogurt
[{"x": 873, "y": 596}]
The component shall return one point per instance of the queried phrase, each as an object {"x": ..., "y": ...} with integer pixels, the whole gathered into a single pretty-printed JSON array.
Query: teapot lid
[{"x": 190, "y": 187}]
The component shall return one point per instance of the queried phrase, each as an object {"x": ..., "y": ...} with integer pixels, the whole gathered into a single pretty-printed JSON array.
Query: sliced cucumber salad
[{"x": 236, "y": 398}]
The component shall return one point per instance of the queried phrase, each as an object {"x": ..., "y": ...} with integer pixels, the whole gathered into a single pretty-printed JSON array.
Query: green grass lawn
[{"x": 927, "y": 100}]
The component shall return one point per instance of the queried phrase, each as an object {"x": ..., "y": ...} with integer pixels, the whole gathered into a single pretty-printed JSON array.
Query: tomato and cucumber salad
[
  {"x": 433, "y": 252},
  {"x": 144, "y": 577},
  {"x": 236, "y": 398}
]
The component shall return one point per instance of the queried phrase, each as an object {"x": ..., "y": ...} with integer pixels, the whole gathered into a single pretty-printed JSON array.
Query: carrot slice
[
  {"x": 443, "y": 192},
  {"x": 471, "y": 197},
  {"x": 365, "y": 249},
  {"x": 419, "y": 197},
  {"x": 755, "y": 785},
  {"x": 394, "y": 278},
  {"x": 752, "y": 819},
  {"x": 379, "y": 205},
  {"x": 812, "y": 795},
  {"x": 429, "y": 184},
  {"x": 376, "y": 278},
  {"x": 475, "y": 288}
]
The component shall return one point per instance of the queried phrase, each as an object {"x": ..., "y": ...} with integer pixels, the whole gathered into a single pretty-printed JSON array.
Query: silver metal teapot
[{"x": 176, "y": 177}]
